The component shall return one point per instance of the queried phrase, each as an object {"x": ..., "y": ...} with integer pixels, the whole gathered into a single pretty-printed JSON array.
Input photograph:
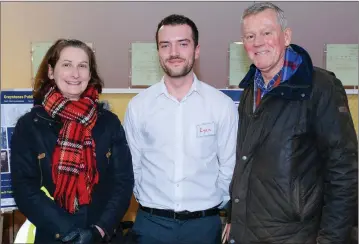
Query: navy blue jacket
[{"x": 32, "y": 145}]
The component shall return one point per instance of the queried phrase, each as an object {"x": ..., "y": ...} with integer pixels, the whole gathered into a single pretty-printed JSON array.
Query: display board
[
  {"x": 145, "y": 67},
  {"x": 238, "y": 64},
  {"x": 13, "y": 105},
  {"x": 342, "y": 59}
]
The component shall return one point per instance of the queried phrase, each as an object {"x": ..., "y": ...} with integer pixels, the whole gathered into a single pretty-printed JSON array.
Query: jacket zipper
[
  {"x": 108, "y": 154},
  {"x": 262, "y": 101},
  {"x": 252, "y": 117},
  {"x": 39, "y": 157}
]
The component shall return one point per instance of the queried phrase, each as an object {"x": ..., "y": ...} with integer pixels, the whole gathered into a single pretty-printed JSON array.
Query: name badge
[{"x": 206, "y": 129}]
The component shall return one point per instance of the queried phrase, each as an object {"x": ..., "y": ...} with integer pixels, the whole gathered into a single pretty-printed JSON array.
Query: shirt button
[
  {"x": 244, "y": 157},
  {"x": 236, "y": 200},
  {"x": 57, "y": 236},
  {"x": 177, "y": 185},
  {"x": 303, "y": 95},
  {"x": 232, "y": 241}
]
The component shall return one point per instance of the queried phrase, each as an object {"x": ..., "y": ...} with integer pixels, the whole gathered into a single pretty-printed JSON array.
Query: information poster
[
  {"x": 238, "y": 63},
  {"x": 342, "y": 60},
  {"x": 13, "y": 105},
  {"x": 145, "y": 67}
]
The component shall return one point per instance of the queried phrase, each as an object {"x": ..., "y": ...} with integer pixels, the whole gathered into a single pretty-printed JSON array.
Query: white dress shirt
[{"x": 183, "y": 152}]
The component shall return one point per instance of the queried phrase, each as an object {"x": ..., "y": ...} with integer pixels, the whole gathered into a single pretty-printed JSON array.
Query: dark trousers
[{"x": 152, "y": 229}]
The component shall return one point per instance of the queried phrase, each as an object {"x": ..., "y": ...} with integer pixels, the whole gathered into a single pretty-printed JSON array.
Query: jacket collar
[{"x": 298, "y": 87}]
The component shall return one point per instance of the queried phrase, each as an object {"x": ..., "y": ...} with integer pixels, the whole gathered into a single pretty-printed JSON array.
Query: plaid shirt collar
[{"x": 292, "y": 60}]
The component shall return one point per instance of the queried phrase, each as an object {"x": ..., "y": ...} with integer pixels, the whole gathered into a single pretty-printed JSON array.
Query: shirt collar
[{"x": 196, "y": 87}]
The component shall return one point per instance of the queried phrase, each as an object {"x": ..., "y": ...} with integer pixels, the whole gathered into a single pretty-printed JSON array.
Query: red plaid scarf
[{"x": 74, "y": 170}]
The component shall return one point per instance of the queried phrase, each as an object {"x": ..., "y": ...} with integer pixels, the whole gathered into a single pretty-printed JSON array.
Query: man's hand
[{"x": 225, "y": 234}]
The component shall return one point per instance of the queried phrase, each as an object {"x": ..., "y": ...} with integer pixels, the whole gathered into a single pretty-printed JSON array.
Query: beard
[{"x": 178, "y": 73}]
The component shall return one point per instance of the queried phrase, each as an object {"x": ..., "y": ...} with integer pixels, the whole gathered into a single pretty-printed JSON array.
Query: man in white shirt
[{"x": 182, "y": 135}]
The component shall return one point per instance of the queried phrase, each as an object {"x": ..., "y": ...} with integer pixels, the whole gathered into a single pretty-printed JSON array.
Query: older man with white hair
[{"x": 295, "y": 179}]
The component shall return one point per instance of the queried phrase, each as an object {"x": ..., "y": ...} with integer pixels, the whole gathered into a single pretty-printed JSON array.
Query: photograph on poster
[
  {"x": 4, "y": 162},
  {"x": 3, "y": 138}
]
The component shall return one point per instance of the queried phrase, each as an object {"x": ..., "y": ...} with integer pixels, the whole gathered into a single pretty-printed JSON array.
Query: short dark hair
[
  {"x": 43, "y": 83},
  {"x": 176, "y": 19}
]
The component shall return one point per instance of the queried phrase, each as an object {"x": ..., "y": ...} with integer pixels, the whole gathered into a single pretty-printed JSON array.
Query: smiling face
[
  {"x": 71, "y": 72},
  {"x": 176, "y": 50},
  {"x": 265, "y": 42}
]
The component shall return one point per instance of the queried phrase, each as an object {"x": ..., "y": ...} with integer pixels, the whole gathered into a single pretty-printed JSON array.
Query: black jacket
[
  {"x": 295, "y": 180},
  {"x": 32, "y": 145}
]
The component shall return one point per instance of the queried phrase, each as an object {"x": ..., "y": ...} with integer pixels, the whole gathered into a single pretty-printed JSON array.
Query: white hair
[{"x": 260, "y": 7}]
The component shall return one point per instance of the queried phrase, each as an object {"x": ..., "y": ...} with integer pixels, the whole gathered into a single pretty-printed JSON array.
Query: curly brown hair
[{"x": 42, "y": 82}]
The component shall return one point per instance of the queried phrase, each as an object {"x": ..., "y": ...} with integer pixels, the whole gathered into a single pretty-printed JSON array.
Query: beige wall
[{"x": 112, "y": 26}]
